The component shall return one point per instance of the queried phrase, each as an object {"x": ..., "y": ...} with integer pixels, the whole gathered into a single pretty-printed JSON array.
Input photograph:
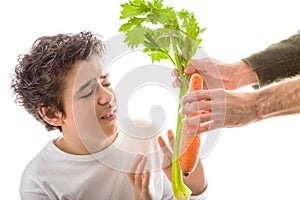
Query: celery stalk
[
  {"x": 181, "y": 191},
  {"x": 178, "y": 31}
]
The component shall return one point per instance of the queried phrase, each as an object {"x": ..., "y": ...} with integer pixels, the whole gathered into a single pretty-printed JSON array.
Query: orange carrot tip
[{"x": 196, "y": 82}]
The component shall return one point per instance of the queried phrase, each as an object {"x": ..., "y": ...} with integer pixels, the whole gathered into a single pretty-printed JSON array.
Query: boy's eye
[
  {"x": 88, "y": 94},
  {"x": 106, "y": 84},
  {"x": 105, "y": 80}
]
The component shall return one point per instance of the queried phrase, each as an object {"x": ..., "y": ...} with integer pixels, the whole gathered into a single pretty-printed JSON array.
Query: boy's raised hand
[
  {"x": 196, "y": 181},
  {"x": 140, "y": 178},
  {"x": 168, "y": 153}
]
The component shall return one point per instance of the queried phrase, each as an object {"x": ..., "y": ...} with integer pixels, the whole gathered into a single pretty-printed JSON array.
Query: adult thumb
[{"x": 190, "y": 69}]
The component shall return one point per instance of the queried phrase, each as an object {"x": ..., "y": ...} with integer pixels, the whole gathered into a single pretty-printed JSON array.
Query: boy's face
[{"x": 90, "y": 105}]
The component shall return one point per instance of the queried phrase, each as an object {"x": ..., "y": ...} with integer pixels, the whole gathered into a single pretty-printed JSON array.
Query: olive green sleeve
[{"x": 278, "y": 61}]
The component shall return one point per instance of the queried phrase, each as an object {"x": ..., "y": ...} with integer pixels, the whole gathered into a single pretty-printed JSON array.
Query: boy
[{"x": 61, "y": 83}]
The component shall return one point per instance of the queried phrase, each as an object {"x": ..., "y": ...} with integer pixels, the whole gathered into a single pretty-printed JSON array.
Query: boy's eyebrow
[
  {"x": 106, "y": 75},
  {"x": 89, "y": 82},
  {"x": 85, "y": 85}
]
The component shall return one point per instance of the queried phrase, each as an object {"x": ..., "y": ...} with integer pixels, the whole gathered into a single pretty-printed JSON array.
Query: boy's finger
[
  {"x": 165, "y": 149},
  {"x": 132, "y": 171},
  {"x": 136, "y": 163},
  {"x": 146, "y": 180},
  {"x": 142, "y": 164},
  {"x": 171, "y": 138},
  {"x": 137, "y": 177},
  {"x": 167, "y": 153}
]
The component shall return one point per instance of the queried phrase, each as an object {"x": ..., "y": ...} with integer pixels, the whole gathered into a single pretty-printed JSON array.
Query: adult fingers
[
  {"x": 197, "y": 119},
  {"x": 199, "y": 65},
  {"x": 198, "y": 129},
  {"x": 195, "y": 106},
  {"x": 195, "y": 96},
  {"x": 190, "y": 69},
  {"x": 175, "y": 73},
  {"x": 176, "y": 83},
  {"x": 216, "y": 121}
]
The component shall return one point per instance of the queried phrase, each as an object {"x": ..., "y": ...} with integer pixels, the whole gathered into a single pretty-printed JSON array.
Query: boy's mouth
[{"x": 109, "y": 114}]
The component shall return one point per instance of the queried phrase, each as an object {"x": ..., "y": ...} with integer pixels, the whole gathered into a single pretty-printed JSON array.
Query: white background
[{"x": 258, "y": 161}]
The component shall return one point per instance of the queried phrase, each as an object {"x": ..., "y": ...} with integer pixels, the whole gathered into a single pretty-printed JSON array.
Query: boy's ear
[{"x": 51, "y": 116}]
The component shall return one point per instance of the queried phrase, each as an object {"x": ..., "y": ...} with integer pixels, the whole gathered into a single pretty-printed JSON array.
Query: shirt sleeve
[
  {"x": 168, "y": 192},
  {"x": 201, "y": 196},
  {"x": 33, "y": 196},
  {"x": 278, "y": 61}
]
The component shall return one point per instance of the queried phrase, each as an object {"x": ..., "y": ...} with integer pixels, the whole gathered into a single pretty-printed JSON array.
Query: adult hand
[
  {"x": 218, "y": 74},
  {"x": 140, "y": 178},
  {"x": 226, "y": 109}
]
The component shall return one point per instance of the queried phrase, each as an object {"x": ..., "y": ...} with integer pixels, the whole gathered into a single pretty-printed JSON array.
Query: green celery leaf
[
  {"x": 136, "y": 36},
  {"x": 166, "y": 16},
  {"x": 133, "y": 8},
  {"x": 135, "y": 21},
  {"x": 158, "y": 55},
  {"x": 183, "y": 14}
]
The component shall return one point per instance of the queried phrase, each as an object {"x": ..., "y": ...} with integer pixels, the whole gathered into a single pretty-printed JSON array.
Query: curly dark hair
[{"x": 39, "y": 77}]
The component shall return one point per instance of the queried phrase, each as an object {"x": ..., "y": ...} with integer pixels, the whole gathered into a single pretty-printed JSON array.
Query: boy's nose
[{"x": 105, "y": 96}]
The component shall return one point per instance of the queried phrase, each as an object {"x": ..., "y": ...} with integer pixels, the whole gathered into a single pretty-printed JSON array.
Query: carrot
[{"x": 190, "y": 144}]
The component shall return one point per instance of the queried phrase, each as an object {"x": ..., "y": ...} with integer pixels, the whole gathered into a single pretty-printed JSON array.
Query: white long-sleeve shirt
[{"x": 54, "y": 174}]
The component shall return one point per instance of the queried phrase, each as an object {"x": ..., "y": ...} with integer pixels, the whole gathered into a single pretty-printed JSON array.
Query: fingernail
[
  {"x": 140, "y": 155},
  {"x": 144, "y": 158},
  {"x": 174, "y": 84},
  {"x": 173, "y": 73},
  {"x": 184, "y": 121},
  {"x": 181, "y": 101},
  {"x": 180, "y": 111}
]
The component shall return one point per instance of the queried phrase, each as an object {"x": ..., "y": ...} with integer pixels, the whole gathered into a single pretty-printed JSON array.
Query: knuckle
[
  {"x": 137, "y": 176},
  {"x": 194, "y": 105},
  {"x": 200, "y": 119}
]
